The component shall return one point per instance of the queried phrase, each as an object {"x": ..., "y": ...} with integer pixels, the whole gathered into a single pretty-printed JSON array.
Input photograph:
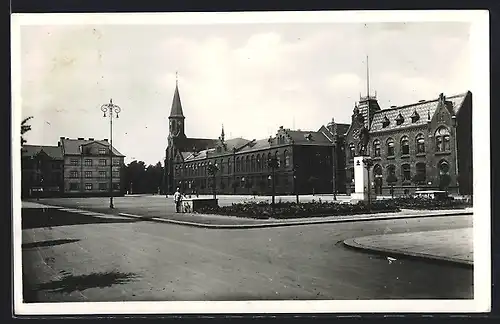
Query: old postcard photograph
[{"x": 251, "y": 162}]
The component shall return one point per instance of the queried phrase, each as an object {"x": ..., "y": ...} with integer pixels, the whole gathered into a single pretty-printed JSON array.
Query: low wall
[{"x": 190, "y": 205}]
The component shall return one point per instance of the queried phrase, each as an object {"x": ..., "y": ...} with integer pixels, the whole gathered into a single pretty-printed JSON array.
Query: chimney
[
  {"x": 421, "y": 100},
  {"x": 81, "y": 138},
  {"x": 393, "y": 106},
  {"x": 105, "y": 139},
  {"x": 61, "y": 138},
  {"x": 91, "y": 138},
  {"x": 59, "y": 144}
]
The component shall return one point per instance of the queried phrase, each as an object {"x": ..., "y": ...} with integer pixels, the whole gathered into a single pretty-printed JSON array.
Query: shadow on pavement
[
  {"x": 70, "y": 283},
  {"x": 32, "y": 245},
  {"x": 36, "y": 218}
]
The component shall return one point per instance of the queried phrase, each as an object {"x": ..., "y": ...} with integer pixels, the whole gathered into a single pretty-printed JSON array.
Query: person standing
[{"x": 177, "y": 201}]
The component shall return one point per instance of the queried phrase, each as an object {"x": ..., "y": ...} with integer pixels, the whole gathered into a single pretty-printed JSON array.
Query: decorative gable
[
  {"x": 385, "y": 122},
  {"x": 415, "y": 116},
  {"x": 399, "y": 119}
]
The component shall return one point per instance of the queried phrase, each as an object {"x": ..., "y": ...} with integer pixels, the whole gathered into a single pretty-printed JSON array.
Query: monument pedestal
[{"x": 361, "y": 184}]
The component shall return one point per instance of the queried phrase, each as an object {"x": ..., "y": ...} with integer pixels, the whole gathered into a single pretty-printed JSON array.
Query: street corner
[{"x": 434, "y": 246}]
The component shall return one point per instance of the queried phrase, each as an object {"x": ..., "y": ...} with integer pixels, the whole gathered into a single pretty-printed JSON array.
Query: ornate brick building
[
  {"x": 427, "y": 144},
  {"x": 304, "y": 160}
]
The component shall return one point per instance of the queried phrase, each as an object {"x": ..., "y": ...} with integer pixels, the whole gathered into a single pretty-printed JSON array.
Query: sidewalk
[{"x": 454, "y": 245}]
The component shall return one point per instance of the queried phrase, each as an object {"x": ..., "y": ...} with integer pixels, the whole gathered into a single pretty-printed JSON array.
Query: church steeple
[
  {"x": 176, "y": 110},
  {"x": 176, "y": 118},
  {"x": 222, "y": 135}
]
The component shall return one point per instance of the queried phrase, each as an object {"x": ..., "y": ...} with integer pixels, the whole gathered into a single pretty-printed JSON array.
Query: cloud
[{"x": 251, "y": 78}]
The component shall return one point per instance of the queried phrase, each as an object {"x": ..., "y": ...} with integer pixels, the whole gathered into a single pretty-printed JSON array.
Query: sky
[{"x": 251, "y": 78}]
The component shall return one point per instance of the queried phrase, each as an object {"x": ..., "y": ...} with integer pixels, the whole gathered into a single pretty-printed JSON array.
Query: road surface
[{"x": 72, "y": 257}]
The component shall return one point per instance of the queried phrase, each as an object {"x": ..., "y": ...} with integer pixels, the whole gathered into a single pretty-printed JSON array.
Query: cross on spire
[{"x": 176, "y": 77}]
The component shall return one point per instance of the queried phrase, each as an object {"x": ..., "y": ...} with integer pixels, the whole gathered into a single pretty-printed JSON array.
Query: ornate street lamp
[
  {"x": 110, "y": 108},
  {"x": 273, "y": 164},
  {"x": 212, "y": 170},
  {"x": 368, "y": 163}
]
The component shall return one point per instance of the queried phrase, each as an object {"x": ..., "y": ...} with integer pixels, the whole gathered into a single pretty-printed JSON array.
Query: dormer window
[
  {"x": 308, "y": 137},
  {"x": 415, "y": 116},
  {"x": 400, "y": 119},
  {"x": 385, "y": 122},
  {"x": 102, "y": 151}
]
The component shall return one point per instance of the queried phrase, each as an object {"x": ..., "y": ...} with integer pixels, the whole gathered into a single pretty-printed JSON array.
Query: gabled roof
[
  {"x": 342, "y": 128},
  {"x": 186, "y": 144},
  {"x": 423, "y": 109},
  {"x": 301, "y": 137},
  {"x": 176, "y": 110},
  {"x": 72, "y": 146},
  {"x": 54, "y": 152}
]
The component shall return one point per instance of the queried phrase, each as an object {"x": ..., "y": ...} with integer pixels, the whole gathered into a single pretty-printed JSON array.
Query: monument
[{"x": 362, "y": 168}]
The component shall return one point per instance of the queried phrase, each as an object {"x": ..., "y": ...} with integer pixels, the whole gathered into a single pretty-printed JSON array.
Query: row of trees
[{"x": 139, "y": 178}]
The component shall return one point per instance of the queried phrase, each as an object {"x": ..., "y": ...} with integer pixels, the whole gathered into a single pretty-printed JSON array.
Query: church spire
[
  {"x": 222, "y": 135},
  {"x": 176, "y": 110}
]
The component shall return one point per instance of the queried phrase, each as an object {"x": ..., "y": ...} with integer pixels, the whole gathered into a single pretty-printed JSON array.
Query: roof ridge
[{"x": 421, "y": 102}]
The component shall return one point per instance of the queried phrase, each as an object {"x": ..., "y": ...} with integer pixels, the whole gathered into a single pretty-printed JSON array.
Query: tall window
[
  {"x": 287, "y": 159},
  {"x": 258, "y": 163},
  {"x": 229, "y": 165},
  {"x": 277, "y": 157},
  {"x": 252, "y": 163},
  {"x": 442, "y": 139},
  {"x": 102, "y": 151},
  {"x": 420, "y": 140},
  {"x": 405, "y": 145},
  {"x": 88, "y": 174},
  {"x": 73, "y": 174},
  {"x": 390, "y": 147},
  {"x": 103, "y": 186},
  {"x": 88, "y": 162},
  {"x": 268, "y": 158},
  {"x": 88, "y": 186},
  {"x": 391, "y": 170},
  {"x": 237, "y": 164},
  {"x": 74, "y": 186},
  {"x": 376, "y": 147},
  {"x": 405, "y": 172},
  {"x": 222, "y": 166},
  {"x": 352, "y": 151},
  {"x": 74, "y": 161},
  {"x": 102, "y": 174},
  {"x": 102, "y": 162}
]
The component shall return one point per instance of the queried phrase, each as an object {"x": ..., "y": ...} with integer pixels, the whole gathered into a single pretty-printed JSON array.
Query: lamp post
[
  {"x": 368, "y": 163},
  {"x": 110, "y": 108},
  {"x": 295, "y": 185},
  {"x": 334, "y": 175},
  {"x": 212, "y": 170},
  {"x": 273, "y": 164}
]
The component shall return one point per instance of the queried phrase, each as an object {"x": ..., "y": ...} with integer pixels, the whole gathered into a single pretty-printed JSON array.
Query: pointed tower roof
[{"x": 176, "y": 110}]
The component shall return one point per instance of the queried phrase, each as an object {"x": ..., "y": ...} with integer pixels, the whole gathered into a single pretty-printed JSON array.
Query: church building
[
  {"x": 423, "y": 145},
  {"x": 303, "y": 160}
]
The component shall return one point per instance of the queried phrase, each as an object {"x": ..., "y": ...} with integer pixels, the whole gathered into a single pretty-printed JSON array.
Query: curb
[
  {"x": 351, "y": 243},
  {"x": 284, "y": 224},
  {"x": 275, "y": 224}
]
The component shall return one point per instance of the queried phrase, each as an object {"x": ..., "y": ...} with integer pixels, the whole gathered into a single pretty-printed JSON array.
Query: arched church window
[
  {"x": 352, "y": 151},
  {"x": 376, "y": 147},
  {"x": 420, "y": 140},
  {"x": 390, "y": 147},
  {"x": 287, "y": 159},
  {"x": 442, "y": 136},
  {"x": 405, "y": 145}
]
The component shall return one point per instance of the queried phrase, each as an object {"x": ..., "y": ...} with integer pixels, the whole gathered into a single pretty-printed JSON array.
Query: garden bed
[
  {"x": 429, "y": 204},
  {"x": 288, "y": 210}
]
